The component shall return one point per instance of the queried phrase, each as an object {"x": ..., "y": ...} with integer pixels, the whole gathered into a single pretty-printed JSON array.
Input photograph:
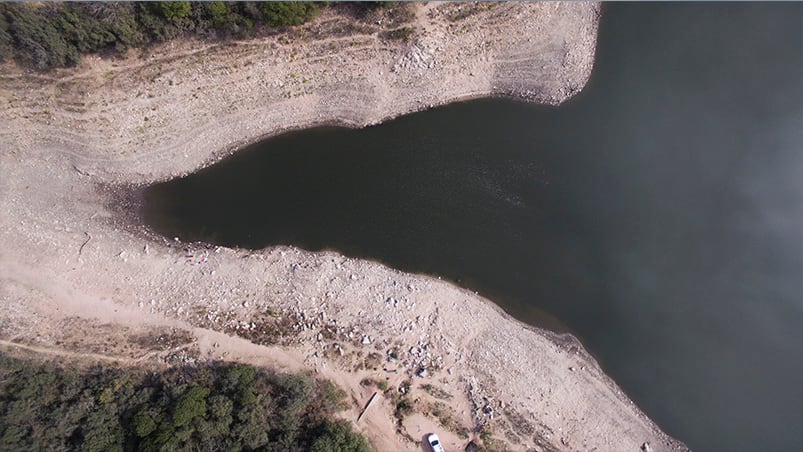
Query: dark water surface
[{"x": 659, "y": 215}]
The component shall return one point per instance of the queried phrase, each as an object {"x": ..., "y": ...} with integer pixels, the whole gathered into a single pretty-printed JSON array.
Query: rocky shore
[{"x": 79, "y": 276}]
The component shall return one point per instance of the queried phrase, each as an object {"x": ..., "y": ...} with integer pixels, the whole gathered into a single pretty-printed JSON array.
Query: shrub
[
  {"x": 219, "y": 14},
  {"x": 5, "y": 39},
  {"x": 171, "y": 10},
  {"x": 338, "y": 437},
  {"x": 403, "y": 34},
  {"x": 37, "y": 39},
  {"x": 280, "y": 14}
]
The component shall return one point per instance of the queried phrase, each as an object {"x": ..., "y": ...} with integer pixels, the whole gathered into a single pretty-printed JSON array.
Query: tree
[
  {"x": 47, "y": 35},
  {"x": 191, "y": 405},
  {"x": 144, "y": 424},
  {"x": 46, "y": 407}
]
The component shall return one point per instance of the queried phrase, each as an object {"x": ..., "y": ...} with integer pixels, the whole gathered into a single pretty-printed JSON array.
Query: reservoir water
[{"x": 658, "y": 216}]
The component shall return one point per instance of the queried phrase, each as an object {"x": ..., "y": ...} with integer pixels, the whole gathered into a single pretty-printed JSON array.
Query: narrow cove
[{"x": 654, "y": 215}]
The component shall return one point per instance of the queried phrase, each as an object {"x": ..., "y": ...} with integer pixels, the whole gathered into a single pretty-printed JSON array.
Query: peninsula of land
[{"x": 81, "y": 277}]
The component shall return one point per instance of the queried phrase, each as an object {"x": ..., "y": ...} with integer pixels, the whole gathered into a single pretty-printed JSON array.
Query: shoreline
[{"x": 72, "y": 145}]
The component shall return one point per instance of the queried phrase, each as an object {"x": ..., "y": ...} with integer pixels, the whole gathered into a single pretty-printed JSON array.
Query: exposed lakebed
[{"x": 657, "y": 216}]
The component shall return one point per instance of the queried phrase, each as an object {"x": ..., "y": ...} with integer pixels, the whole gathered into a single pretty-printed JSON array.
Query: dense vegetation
[
  {"x": 46, "y": 35},
  {"x": 214, "y": 407}
]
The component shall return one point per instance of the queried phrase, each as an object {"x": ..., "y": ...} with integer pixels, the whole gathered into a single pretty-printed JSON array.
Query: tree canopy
[
  {"x": 210, "y": 407},
  {"x": 47, "y": 35}
]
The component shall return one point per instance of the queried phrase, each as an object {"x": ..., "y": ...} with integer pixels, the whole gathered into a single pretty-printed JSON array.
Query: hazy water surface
[{"x": 659, "y": 215}]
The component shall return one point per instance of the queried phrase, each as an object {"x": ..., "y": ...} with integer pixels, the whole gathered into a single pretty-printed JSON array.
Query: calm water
[{"x": 659, "y": 215}]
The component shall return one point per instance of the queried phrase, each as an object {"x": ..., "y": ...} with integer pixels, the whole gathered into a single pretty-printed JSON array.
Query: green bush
[
  {"x": 218, "y": 14},
  {"x": 280, "y": 14},
  {"x": 338, "y": 437},
  {"x": 38, "y": 40},
  {"x": 5, "y": 40},
  {"x": 153, "y": 23},
  {"x": 403, "y": 33},
  {"x": 171, "y": 10}
]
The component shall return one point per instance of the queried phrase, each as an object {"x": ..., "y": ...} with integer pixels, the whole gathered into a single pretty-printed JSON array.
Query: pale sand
[{"x": 80, "y": 279}]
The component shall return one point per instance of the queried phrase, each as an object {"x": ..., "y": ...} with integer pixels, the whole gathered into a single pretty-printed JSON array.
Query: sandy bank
[{"x": 77, "y": 276}]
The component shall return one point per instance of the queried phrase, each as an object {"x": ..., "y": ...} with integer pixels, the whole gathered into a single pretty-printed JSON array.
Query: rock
[
  {"x": 422, "y": 372},
  {"x": 366, "y": 340},
  {"x": 646, "y": 447}
]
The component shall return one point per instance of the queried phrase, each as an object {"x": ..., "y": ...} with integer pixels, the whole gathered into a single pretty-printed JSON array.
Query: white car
[{"x": 435, "y": 443}]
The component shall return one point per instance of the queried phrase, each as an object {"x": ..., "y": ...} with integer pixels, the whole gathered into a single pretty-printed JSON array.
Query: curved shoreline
[{"x": 134, "y": 122}]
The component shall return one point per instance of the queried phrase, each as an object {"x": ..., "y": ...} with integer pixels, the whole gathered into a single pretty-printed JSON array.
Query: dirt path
[
  {"x": 72, "y": 145},
  {"x": 74, "y": 355}
]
